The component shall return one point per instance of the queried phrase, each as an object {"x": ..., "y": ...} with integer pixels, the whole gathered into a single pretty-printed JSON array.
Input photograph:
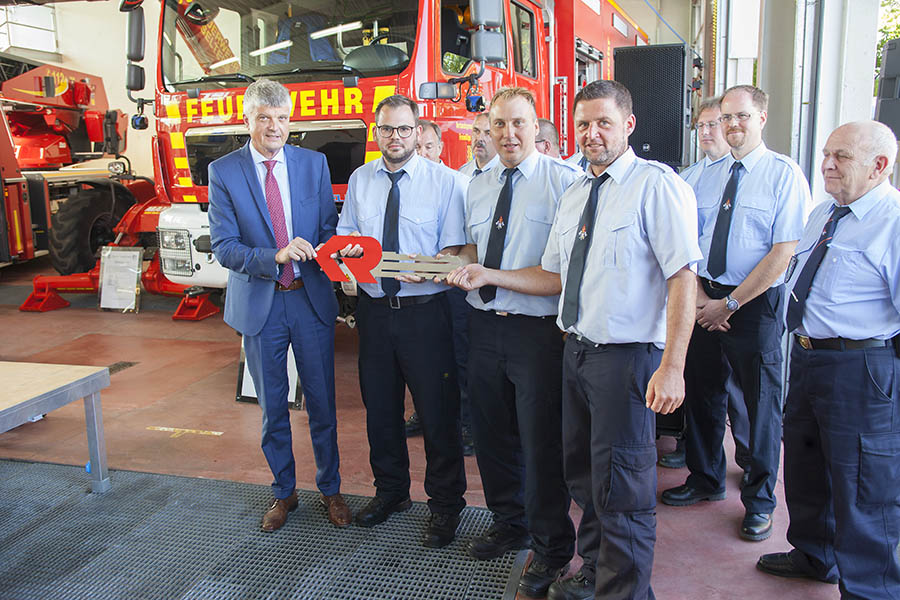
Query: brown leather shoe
[
  {"x": 338, "y": 511},
  {"x": 278, "y": 512}
]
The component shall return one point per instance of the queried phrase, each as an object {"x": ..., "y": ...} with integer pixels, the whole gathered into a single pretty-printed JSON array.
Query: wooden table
[{"x": 31, "y": 389}]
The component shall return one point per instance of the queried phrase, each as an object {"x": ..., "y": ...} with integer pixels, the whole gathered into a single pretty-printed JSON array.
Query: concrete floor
[{"x": 185, "y": 377}]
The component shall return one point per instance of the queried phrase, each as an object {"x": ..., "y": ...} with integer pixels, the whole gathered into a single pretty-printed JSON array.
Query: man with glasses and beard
[
  {"x": 750, "y": 218},
  {"x": 413, "y": 206}
]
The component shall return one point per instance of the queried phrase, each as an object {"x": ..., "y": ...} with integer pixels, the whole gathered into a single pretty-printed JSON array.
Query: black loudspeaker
[
  {"x": 658, "y": 78},
  {"x": 887, "y": 106}
]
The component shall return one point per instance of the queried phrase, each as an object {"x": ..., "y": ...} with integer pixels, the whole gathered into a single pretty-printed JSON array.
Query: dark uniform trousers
[
  {"x": 842, "y": 467},
  {"x": 460, "y": 310},
  {"x": 610, "y": 462},
  {"x": 515, "y": 369},
  {"x": 411, "y": 346},
  {"x": 752, "y": 347}
]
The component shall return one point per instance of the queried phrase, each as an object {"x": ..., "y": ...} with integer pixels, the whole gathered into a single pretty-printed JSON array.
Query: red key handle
[{"x": 360, "y": 266}]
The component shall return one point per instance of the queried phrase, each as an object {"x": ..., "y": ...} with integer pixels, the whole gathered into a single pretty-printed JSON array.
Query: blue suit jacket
[{"x": 243, "y": 240}]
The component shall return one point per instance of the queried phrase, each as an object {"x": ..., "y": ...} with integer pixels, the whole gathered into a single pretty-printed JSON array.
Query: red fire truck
[{"x": 338, "y": 59}]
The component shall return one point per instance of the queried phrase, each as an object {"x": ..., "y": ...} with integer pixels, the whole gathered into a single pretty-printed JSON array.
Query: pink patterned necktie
[{"x": 276, "y": 212}]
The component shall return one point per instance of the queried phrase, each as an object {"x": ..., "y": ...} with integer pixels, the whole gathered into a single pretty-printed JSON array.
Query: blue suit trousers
[{"x": 292, "y": 321}]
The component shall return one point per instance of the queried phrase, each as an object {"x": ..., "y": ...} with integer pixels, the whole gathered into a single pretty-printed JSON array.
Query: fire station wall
[{"x": 91, "y": 39}]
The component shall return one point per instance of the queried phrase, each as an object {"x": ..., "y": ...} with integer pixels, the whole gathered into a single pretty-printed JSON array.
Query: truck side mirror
[
  {"x": 486, "y": 13},
  {"x": 135, "y": 43},
  {"x": 488, "y": 46},
  {"x": 134, "y": 77}
]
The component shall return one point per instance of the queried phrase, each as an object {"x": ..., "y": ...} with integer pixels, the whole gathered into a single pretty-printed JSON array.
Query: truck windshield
[{"x": 212, "y": 44}]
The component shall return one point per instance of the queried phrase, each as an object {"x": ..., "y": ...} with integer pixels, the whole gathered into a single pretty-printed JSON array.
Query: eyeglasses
[
  {"x": 711, "y": 125},
  {"x": 387, "y": 131},
  {"x": 741, "y": 117}
]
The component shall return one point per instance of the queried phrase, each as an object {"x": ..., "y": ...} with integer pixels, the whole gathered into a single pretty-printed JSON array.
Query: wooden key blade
[{"x": 429, "y": 267}]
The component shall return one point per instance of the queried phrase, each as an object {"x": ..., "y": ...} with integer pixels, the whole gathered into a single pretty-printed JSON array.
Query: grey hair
[
  {"x": 876, "y": 139},
  {"x": 549, "y": 132},
  {"x": 714, "y": 103},
  {"x": 423, "y": 123},
  {"x": 265, "y": 92}
]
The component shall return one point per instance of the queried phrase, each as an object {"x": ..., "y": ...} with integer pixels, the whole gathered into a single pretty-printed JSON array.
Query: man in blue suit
[{"x": 270, "y": 208}]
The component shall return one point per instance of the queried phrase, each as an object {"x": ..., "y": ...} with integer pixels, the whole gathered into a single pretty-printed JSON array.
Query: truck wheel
[{"x": 82, "y": 225}]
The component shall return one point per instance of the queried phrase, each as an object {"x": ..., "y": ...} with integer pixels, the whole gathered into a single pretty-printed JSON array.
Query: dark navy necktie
[
  {"x": 580, "y": 248},
  {"x": 494, "y": 253},
  {"x": 390, "y": 238},
  {"x": 797, "y": 300},
  {"x": 718, "y": 247}
]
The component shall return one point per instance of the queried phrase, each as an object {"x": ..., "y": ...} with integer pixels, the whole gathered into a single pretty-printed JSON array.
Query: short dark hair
[
  {"x": 605, "y": 88},
  {"x": 759, "y": 98},
  {"x": 397, "y": 101},
  {"x": 423, "y": 123}
]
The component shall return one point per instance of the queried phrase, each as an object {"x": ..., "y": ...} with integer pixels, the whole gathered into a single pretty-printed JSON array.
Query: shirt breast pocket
[
  {"x": 478, "y": 224},
  {"x": 368, "y": 221},
  {"x": 540, "y": 218},
  {"x": 420, "y": 220},
  {"x": 801, "y": 255},
  {"x": 756, "y": 215},
  {"x": 617, "y": 247},
  {"x": 567, "y": 230},
  {"x": 845, "y": 271}
]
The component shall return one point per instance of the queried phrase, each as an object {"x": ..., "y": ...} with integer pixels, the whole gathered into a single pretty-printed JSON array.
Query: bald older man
[{"x": 842, "y": 416}]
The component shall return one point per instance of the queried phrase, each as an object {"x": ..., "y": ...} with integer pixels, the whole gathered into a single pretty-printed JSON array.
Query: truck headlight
[
  {"x": 174, "y": 239},
  {"x": 175, "y": 252}
]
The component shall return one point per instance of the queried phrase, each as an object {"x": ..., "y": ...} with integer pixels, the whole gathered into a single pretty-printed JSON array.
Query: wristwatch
[{"x": 731, "y": 304}]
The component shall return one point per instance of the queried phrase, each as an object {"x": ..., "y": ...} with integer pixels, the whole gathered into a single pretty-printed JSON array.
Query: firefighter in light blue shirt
[
  {"x": 750, "y": 217},
  {"x": 841, "y": 431},
  {"x": 515, "y": 349},
  {"x": 484, "y": 155},
  {"x": 411, "y": 206},
  {"x": 712, "y": 141}
]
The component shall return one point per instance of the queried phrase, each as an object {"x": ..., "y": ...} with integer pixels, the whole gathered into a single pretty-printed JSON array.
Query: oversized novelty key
[{"x": 375, "y": 263}]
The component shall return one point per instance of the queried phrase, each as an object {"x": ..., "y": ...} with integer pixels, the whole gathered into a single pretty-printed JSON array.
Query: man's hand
[
  {"x": 351, "y": 250},
  {"x": 409, "y": 277},
  {"x": 665, "y": 391},
  {"x": 470, "y": 277},
  {"x": 297, "y": 249},
  {"x": 713, "y": 316}
]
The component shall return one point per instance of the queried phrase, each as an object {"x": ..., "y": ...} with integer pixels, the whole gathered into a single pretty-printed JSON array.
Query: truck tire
[{"x": 82, "y": 225}]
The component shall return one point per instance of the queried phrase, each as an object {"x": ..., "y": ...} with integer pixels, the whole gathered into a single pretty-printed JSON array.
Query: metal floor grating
[{"x": 167, "y": 537}]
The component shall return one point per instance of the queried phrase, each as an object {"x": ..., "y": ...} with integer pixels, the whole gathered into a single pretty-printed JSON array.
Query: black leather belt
[
  {"x": 808, "y": 343},
  {"x": 295, "y": 285},
  {"x": 585, "y": 341},
  {"x": 397, "y": 302},
  {"x": 504, "y": 313},
  {"x": 715, "y": 285}
]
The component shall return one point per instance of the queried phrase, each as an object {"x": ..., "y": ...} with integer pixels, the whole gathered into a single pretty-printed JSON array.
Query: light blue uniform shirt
[
  {"x": 645, "y": 231},
  {"x": 431, "y": 212},
  {"x": 856, "y": 291},
  {"x": 284, "y": 187},
  {"x": 771, "y": 207},
  {"x": 468, "y": 169},
  {"x": 693, "y": 173},
  {"x": 577, "y": 160},
  {"x": 537, "y": 186}
]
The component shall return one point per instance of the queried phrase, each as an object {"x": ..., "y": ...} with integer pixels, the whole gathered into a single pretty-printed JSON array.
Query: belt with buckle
[
  {"x": 506, "y": 313},
  {"x": 294, "y": 285},
  {"x": 587, "y": 342},
  {"x": 808, "y": 343},
  {"x": 715, "y": 285},
  {"x": 397, "y": 302}
]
